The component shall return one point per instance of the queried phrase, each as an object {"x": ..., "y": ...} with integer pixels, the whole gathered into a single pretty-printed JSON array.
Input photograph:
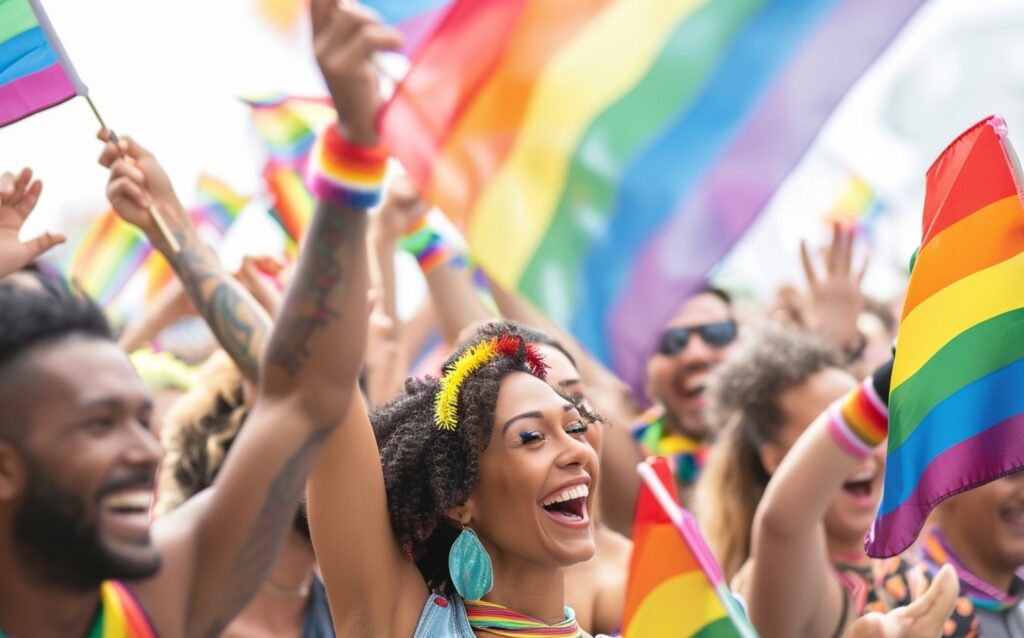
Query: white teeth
[
  {"x": 576, "y": 491},
  {"x": 138, "y": 499}
]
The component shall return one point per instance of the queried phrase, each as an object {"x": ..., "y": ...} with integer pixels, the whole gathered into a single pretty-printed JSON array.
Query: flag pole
[
  {"x": 158, "y": 219},
  {"x": 686, "y": 525}
]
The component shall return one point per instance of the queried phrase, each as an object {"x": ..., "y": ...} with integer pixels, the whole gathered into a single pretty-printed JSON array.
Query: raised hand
[
  {"x": 345, "y": 38},
  {"x": 836, "y": 297},
  {"x": 137, "y": 181},
  {"x": 18, "y": 196},
  {"x": 402, "y": 206},
  {"x": 923, "y": 618}
]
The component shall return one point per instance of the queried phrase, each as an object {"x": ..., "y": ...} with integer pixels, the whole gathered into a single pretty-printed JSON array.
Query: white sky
[{"x": 169, "y": 73}]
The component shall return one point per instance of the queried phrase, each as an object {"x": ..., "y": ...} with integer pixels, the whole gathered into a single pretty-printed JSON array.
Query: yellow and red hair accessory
[{"x": 446, "y": 403}]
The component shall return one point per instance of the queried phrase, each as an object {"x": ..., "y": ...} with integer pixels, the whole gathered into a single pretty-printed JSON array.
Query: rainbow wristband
[
  {"x": 859, "y": 422},
  {"x": 344, "y": 173},
  {"x": 430, "y": 248}
]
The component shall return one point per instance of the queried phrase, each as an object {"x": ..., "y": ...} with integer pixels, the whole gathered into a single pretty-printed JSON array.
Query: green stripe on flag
[
  {"x": 16, "y": 16},
  {"x": 955, "y": 366}
]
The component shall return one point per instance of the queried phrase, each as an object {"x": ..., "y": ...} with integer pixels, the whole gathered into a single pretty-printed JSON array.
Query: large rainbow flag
[
  {"x": 35, "y": 72},
  {"x": 676, "y": 587},
  {"x": 416, "y": 19},
  {"x": 602, "y": 155},
  {"x": 956, "y": 408}
]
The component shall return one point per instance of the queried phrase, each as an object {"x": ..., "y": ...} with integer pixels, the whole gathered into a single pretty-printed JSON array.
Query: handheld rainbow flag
[
  {"x": 676, "y": 587},
  {"x": 217, "y": 205},
  {"x": 293, "y": 204},
  {"x": 35, "y": 71},
  {"x": 107, "y": 256},
  {"x": 857, "y": 206},
  {"x": 956, "y": 409},
  {"x": 602, "y": 155},
  {"x": 288, "y": 125}
]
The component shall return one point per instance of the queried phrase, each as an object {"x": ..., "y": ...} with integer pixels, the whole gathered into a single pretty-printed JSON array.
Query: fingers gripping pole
[{"x": 158, "y": 219}]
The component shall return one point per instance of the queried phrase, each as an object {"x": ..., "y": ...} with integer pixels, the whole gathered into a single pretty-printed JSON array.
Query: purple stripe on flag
[
  {"x": 34, "y": 93},
  {"x": 737, "y": 188},
  {"x": 415, "y": 31},
  {"x": 994, "y": 453}
]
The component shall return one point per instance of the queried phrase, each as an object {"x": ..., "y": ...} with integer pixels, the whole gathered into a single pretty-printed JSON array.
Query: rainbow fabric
[
  {"x": 602, "y": 155},
  {"x": 35, "y": 72},
  {"x": 675, "y": 588},
  {"x": 956, "y": 409},
  {"x": 857, "y": 206},
  {"x": 288, "y": 125},
  {"x": 107, "y": 256},
  {"x": 416, "y": 19},
  {"x": 216, "y": 205},
  {"x": 502, "y": 621},
  {"x": 293, "y": 205},
  {"x": 120, "y": 615}
]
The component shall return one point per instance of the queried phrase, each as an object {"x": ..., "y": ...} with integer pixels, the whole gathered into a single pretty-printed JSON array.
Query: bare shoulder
[{"x": 164, "y": 596}]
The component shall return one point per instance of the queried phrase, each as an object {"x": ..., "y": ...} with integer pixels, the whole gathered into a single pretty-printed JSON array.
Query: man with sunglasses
[{"x": 694, "y": 342}]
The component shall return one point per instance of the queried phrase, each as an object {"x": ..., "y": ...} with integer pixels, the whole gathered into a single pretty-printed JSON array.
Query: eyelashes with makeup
[{"x": 577, "y": 428}]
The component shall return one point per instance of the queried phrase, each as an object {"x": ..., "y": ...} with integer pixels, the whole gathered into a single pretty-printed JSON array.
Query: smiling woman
[{"x": 487, "y": 478}]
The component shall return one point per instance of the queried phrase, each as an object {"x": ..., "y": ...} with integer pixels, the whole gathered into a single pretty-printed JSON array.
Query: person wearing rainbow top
[{"x": 78, "y": 461}]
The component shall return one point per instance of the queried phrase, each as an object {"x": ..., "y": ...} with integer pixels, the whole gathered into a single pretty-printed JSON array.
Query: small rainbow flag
[
  {"x": 956, "y": 408},
  {"x": 857, "y": 206},
  {"x": 293, "y": 205},
  {"x": 601, "y": 156},
  {"x": 283, "y": 14},
  {"x": 107, "y": 256},
  {"x": 216, "y": 205},
  {"x": 676, "y": 587},
  {"x": 35, "y": 72},
  {"x": 288, "y": 125}
]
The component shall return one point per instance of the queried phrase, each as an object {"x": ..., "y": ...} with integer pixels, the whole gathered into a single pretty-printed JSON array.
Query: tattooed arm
[{"x": 238, "y": 321}]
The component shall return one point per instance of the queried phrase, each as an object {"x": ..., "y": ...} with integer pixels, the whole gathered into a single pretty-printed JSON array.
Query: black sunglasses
[{"x": 716, "y": 335}]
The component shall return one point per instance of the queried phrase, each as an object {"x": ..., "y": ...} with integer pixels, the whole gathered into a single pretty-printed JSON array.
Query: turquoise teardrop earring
[{"x": 470, "y": 566}]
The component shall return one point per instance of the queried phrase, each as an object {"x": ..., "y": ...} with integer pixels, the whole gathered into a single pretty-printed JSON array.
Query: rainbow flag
[
  {"x": 283, "y": 14},
  {"x": 288, "y": 125},
  {"x": 35, "y": 72},
  {"x": 293, "y": 204},
  {"x": 106, "y": 257},
  {"x": 956, "y": 408},
  {"x": 122, "y": 616},
  {"x": 675, "y": 587},
  {"x": 216, "y": 205},
  {"x": 857, "y": 206},
  {"x": 416, "y": 19},
  {"x": 602, "y": 155}
]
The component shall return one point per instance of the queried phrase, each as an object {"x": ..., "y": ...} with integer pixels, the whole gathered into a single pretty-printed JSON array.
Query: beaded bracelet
[
  {"x": 430, "y": 248},
  {"x": 859, "y": 421},
  {"x": 344, "y": 173}
]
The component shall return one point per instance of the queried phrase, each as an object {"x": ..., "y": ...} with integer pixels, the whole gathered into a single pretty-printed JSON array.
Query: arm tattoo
[
  {"x": 271, "y": 526},
  {"x": 235, "y": 318},
  {"x": 319, "y": 275}
]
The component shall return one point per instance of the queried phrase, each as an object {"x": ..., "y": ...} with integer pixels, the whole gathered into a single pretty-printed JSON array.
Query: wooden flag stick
[{"x": 158, "y": 219}]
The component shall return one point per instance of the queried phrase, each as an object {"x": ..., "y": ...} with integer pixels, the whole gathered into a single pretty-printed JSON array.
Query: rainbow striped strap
[
  {"x": 344, "y": 173},
  {"x": 502, "y": 621},
  {"x": 430, "y": 248},
  {"x": 122, "y": 614},
  {"x": 859, "y": 422}
]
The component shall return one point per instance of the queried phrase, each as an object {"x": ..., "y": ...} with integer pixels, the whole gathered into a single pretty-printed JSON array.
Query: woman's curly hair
[
  {"x": 198, "y": 432},
  {"x": 428, "y": 470}
]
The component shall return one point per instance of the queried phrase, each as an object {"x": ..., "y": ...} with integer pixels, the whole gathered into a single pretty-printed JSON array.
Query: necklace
[
  {"x": 300, "y": 592},
  {"x": 502, "y": 621}
]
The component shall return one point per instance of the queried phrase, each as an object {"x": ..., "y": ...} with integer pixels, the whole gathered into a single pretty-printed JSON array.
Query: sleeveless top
[
  {"x": 318, "y": 622},
  {"x": 443, "y": 617}
]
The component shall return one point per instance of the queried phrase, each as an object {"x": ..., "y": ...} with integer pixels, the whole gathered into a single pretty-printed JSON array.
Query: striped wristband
[
  {"x": 430, "y": 248},
  {"x": 344, "y": 173},
  {"x": 859, "y": 421}
]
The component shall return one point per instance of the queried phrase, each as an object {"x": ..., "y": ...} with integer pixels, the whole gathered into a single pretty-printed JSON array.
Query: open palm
[{"x": 18, "y": 196}]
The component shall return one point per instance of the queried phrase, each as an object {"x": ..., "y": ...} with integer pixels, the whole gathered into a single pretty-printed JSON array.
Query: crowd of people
[{"x": 300, "y": 482}]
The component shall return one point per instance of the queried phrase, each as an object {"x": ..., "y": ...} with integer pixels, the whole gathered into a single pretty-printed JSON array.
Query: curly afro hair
[{"x": 428, "y": 470}]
